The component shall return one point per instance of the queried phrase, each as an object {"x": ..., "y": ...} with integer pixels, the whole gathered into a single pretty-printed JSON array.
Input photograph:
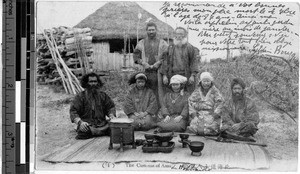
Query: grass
[
  {"x": 279, "y": 91},
  {"x": 117, "y": 88}
]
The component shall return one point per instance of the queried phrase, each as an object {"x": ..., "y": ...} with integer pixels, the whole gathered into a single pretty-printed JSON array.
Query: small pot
[
  {"x": 184, "y": 136},
  {"x": 164, "y": 137},
  {"x": 149, "y": 136},
  {"x": 195, "y": 146}
]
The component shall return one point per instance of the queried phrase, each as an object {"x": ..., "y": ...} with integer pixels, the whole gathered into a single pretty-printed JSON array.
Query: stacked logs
[{"x": 64, "y": 56}]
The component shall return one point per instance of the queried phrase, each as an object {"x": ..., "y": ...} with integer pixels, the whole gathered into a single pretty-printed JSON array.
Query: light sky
[{"x": 69, "y": 13}]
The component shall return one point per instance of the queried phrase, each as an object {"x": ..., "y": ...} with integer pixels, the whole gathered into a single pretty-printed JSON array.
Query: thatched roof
[{"x": 114, "y": 19}]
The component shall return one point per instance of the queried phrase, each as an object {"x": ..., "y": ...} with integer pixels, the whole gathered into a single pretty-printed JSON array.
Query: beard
[
  {"x": 151, "y": 35},
  {"x": 180, "y": 42},
  {"x": 238, "y": 96},
  {"x": 93, "y": 90}
]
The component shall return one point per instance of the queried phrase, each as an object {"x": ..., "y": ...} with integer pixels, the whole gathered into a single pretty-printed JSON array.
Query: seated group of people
[{"x": 204, "y": 112}]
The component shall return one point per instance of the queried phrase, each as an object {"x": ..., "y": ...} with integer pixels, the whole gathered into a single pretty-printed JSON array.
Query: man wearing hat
[
  {"x": 141, "y": 104},
  {"x": 240, "y": 115}
]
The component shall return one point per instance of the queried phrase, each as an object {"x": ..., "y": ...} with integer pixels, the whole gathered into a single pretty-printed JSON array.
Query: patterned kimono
[
  {"x": 139, "y": 101},
  {"x": 243, "y": 112},
  {"x": 205, "y": 111},
  {"x": 173, "y": 108}
]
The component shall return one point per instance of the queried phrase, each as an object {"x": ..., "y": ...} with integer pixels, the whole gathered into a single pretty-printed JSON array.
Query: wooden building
[{"x": 114, "y": 30}]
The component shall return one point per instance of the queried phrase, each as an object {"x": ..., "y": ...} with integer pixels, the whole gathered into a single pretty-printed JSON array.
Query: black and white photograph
[{"x": 166, "y": 86}]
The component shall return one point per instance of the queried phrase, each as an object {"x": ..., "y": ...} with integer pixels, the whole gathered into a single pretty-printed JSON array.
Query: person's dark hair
[
  {"x": 181, "y": 28},
  {"x": 151, "y": 24},
  {"x": 85, "y": 80},
  {"x": 132, "y": 80},
  {"x": 239, "y": 81}
]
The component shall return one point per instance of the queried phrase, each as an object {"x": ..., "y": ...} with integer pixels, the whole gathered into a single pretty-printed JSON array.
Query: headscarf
[
  {"x": 178, "y": 79},
  {"x": 238, "y": 81},
  {"x": 206, "y": 75}
]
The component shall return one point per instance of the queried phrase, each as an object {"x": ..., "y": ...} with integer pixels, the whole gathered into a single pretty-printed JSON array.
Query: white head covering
[
  {"x": 206, "y": 75},
  {"x": 178, "y": 79}
]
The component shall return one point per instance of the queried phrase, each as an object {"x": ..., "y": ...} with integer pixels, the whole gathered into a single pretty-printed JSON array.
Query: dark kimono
[
  {"x": 151, "y": 51},
  {"x": 141, "y": 101},
  {"x": 93, "y": 110},
  {"x": 244, "y": 112},
  {"x": 183, "y": 61},
  {"x": 174, "y": 108}
]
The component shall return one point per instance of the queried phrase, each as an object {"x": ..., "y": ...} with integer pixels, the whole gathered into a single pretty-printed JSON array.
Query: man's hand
[
  {"x": 167, "y": 119},
  {"x": 84, "y": 126},
  {"x": 165, "y": 80},
  {"x": 110, "y": 116},
  {"x": 178, "y": 119},
  {"x": 156, "y": 65},
  {"x": 146, "y": 65},
  {"x": 192, "y": 79},
  {"x": 143, "y": 114}
]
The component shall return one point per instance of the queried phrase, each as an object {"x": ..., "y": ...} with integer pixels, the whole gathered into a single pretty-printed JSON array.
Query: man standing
[
  {"x": 148, "y": 53},
  {"x": 181, "y": 59},
  {"x": 240, "y": 115},
  {"x": 92, "y": 108}
]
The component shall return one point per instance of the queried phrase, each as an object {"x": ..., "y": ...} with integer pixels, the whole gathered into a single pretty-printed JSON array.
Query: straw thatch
[{"x": 115, "y": 19}]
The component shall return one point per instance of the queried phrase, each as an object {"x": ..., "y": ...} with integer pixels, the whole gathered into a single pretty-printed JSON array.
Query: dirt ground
[{"x": 54, "y": 130}]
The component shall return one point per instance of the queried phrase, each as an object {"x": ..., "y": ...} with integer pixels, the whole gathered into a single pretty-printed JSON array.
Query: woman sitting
[
  {"x": 205, "y": 107},
  {"x": 175, "y": 107},
  {"x": 140, "y": 104}
]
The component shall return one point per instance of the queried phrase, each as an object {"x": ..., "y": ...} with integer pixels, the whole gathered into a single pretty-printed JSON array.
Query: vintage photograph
[{"x": 167, "y": 86}]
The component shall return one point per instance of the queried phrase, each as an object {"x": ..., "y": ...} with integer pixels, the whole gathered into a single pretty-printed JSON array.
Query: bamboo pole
[
  {"x": 56, "y": 62},
  {"x": 67, "y": 71},
  {"x": 63, "y": 64}
]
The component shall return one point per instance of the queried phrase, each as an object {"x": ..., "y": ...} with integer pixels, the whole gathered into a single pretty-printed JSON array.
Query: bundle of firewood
[{"x": 64, "y": 54}]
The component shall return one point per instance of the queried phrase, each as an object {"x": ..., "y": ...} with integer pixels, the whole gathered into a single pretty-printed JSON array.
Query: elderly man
[
  {"x": 92, "y": 108},
  {"x": 182, "y": 59},
  {"x": 148, "y": 53},
  {"x": 240, "y": 115}
]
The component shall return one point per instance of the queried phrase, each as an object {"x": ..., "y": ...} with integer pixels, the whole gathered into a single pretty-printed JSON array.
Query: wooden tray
[{"x": 151, "y": 149}]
